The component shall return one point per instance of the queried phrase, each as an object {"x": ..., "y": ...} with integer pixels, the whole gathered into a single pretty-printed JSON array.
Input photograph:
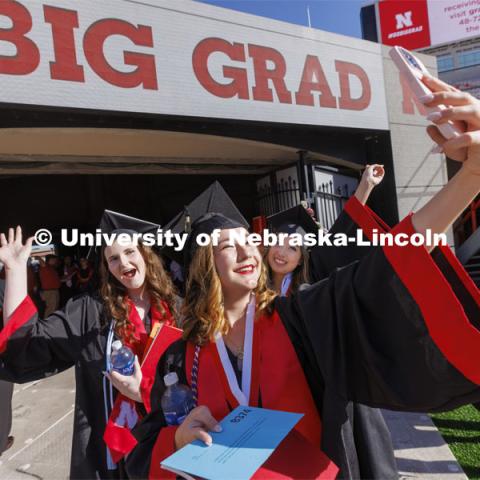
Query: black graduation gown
[
  {"x": 325, "y": 259},
  {"x": 398, "y": 329},
  {"x": 75, "y": 336},
  {"x": 366, "y": 428}
]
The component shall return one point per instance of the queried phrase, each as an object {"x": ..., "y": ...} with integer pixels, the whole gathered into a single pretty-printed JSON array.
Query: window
[
  {"x": 465, "y": 59},
  {"x": 444, "y": 63}
]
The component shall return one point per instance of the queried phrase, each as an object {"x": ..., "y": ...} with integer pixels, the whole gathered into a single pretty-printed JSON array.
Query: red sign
[{"x": 404, "y": 23}]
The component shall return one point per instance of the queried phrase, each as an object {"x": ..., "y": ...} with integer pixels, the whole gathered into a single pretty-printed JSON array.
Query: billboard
[
  {"x": 191, "y": 60},
  {"x": 415, "y": 24}
]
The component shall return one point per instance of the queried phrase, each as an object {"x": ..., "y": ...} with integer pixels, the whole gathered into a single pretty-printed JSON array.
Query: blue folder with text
[{"x": 249, "y": 436}]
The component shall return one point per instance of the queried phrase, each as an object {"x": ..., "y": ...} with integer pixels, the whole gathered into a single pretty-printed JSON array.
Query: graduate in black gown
[
  {"x": 6, "y": 394},
  {"x": 397, "y": 329},
  {"x": 136, "y": 295},
  {"x": 291, "y": 265}
]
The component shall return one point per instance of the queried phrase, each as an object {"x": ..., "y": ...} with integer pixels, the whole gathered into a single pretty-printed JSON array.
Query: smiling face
[
  {"x": 284, "y": 259},
  {"x": 238, "y": 266},
  {"x": 126, "y": 264}
]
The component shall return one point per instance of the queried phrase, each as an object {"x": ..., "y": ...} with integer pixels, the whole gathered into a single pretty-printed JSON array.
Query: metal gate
[{"x": 281, "y": 190}]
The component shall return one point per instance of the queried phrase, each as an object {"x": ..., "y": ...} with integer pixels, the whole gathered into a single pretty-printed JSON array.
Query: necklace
[
  {"x": 137, "y": 299},
  {"x": 240, "y": 360},
  {"x": 238, "y": 352}
]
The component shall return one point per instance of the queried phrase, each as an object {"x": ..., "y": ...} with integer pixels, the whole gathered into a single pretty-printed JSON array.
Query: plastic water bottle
[
  {"x": 177, "y": 400},
  {"x": 122, "y": 359}
]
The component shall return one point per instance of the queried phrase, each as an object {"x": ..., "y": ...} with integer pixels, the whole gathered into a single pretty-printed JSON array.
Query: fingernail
[
  {"x": 436, "y": 149},
  {"x": 426, "y": 98},
  {"x": 217, "y": 428},
  {"x": 208, "y": 443},
  {"x": 434, "y": 116}
]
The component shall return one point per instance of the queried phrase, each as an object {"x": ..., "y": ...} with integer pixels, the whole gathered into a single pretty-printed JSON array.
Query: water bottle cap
[
  {"x": 116, "y": 345},
  {"x": 170, "y": 379}
]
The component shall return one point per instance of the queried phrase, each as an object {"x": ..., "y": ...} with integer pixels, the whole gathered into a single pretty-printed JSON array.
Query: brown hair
[
  {"x": 301, "y": 273},
  {"x": 114, "y": 294},
  {"x": 203, "y": 310}
]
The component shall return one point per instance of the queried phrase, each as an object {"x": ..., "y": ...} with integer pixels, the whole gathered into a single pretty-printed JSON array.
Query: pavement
[
  {"x": 43, "y": 419},
  {"x": 420, "y": 450},
  {"x": 42, "y": 426}
]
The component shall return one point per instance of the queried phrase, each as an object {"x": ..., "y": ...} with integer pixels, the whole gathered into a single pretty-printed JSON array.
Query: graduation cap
[
  {"x": 293, "y": 220},
  {"x": 117, "y": 223},
  {"x": 212, "y": 209}
]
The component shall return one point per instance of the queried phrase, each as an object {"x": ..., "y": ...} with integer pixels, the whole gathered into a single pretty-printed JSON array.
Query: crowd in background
[{"x": 53, "y": 280}]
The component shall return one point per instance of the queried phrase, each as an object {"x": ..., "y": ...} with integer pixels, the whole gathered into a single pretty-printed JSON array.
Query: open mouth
[
  {"x": 279, "y": 261},
  {"x": 130, "y": 273},
  {"x": 246, "y": 270}
]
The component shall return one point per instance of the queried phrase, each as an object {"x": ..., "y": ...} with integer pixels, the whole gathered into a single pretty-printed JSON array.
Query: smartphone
[{"x": 412, "y": 70}]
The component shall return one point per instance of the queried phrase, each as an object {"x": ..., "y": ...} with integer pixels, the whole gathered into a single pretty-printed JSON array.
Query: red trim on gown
[
  {"x": 22, "y": 314},
  {"x": 443, "y": 313},
  {"x": 432, "y": 292},
  {"x": 364, "y": 217},
  {"x": 279, "y": 383},
  {"x": 118, "y": 436}
]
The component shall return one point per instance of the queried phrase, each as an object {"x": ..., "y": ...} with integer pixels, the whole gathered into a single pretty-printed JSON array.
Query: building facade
[
  {"x": 448, "y": 30},
  {"x": 138, "y": 107}
]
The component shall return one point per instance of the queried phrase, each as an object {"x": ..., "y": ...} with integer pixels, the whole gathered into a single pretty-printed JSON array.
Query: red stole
[
  {"x": 278, "y": 380},
  {"x": 124, "y": 415}
]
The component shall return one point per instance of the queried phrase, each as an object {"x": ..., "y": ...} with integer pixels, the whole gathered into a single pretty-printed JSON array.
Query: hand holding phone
[{"x": 412, "y": 70}]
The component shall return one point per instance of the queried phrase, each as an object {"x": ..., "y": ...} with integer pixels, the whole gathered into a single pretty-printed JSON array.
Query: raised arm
[
  {"x": 372, "y": 176},
  {"x": 445, "y": 207},
  {"x": 400, "y": 328},
  {"x": 31, "y": 348},
  {"x": 14, "y": 254}
]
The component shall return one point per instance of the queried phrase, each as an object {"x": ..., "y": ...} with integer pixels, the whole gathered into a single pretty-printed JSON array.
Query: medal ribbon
[
  {"x": 242, "y": 395},
  {"x": 287, "y": 280}
]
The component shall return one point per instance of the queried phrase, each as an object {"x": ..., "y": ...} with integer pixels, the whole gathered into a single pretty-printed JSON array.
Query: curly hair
[
  {"x": 203, "y": 310},
  {"x": 301, "y": 273},
  {"x": 114, "y": 294}
]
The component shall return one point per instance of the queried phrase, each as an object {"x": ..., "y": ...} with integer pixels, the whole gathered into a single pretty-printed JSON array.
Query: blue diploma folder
[{"x": 249, "y": 437}]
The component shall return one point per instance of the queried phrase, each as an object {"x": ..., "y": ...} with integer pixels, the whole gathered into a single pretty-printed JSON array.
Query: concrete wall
[{"x": 418, "y": 173}]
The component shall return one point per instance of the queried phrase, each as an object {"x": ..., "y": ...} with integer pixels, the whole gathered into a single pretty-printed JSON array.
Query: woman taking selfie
[
  {"x": 136, "y": 296},
  {"x": 328, "y": 342}
]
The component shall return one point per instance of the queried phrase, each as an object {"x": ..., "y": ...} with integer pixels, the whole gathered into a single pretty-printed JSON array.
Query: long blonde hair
[
  {"x": 157, "y": 282},
  {"x": 203, "y": 309}
]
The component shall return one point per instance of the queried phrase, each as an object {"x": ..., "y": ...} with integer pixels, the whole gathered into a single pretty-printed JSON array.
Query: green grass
[{"x": 461, "y": 430}]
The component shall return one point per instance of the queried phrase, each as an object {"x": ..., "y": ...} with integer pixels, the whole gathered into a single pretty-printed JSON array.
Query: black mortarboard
[
  {"x": 115, "y": 222},
  {"x": 293, "y": 220},
  {"x": 212, "y": 209}
]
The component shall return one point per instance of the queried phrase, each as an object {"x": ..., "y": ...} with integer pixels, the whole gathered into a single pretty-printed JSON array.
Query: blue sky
[{"x": 339, "y": 16}]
